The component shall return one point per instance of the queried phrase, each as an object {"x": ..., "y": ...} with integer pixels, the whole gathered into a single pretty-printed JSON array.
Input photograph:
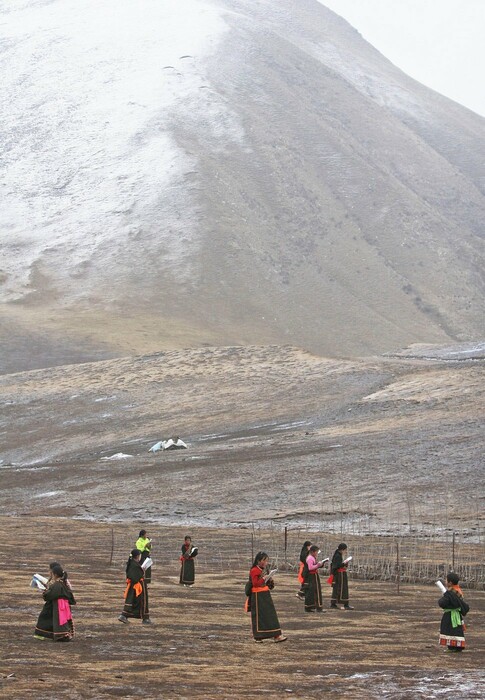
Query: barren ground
[
  {"x": 200, "y": 643},
  {"x": 368, "y": 449},
  {"x": 274, "y": 434}
]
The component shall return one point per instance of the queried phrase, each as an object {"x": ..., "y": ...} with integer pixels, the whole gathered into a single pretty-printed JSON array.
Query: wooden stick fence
[{"x": 409, "y": 559}]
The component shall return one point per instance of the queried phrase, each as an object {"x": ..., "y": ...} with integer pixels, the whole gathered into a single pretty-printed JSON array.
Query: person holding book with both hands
[
  {"x": 338, "y": 578},
  {"x": 313, "y": 591},
  {"x": 144, "y": 544},
  {"x": 187, "y": 570},
  {"x": 264, "y": 620},
  {"x": 136, "y": 593}
]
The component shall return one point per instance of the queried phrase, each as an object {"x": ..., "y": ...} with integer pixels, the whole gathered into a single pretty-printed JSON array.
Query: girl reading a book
[
  {"x": 452, "y": 628},
  {"x": 187, "y": 570},
  {"x": 313, "y": 592},
  {"x": 144, "y": 544},
  {"x": 55, "y": 619},
  {"x": 264, "y": 620},
  {"x": 136, "y": 592},
  {"x": 338, "y": 579}
]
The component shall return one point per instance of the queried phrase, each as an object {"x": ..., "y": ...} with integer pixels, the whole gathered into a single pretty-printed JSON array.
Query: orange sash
[
  {"x": 254, "y": 589},
  {"x": 331, "y": 577},
  {"x": 137, "y": 587},
  {"x": 300, "y": 573}
]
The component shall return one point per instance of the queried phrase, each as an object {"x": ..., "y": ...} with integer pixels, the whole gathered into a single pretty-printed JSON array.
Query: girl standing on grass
[
  {"x": 55, "y": 619},
  {"x": 302, "y": 571},
  {"x": 452, "y": 628},
  {"x": 136, "y": 593},
  {"x": 264, "y": 620},
  {"x": 313, "y": 592},
  {"x": 187, "y": 570},
  {"x": 144, "y": 544},
  {"x": 338, "y": 579}
]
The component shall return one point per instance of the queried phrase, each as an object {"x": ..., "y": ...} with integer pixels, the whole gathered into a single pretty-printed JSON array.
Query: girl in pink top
[{"x": 313, "y": 594}]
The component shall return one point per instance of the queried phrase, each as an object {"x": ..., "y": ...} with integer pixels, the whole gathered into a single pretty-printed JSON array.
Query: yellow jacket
[{"x": 143, "y": 544}]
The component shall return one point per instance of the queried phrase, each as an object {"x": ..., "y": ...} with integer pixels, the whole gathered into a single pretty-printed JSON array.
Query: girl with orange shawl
[{"x": 136, "y": 593}]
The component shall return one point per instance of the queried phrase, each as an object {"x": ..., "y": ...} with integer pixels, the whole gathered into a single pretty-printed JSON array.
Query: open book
[
  {"x": 39, "y": 582},
  {"x": 324, "y": 560},
  {"x": 346, "y": 561},
  {"x": 270, "y": 575},
  {"x": 147, "y": 563}
]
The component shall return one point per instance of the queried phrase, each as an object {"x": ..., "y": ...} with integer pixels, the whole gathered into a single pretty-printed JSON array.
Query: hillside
[
  {"x": 227, "y": 172},
  {"x": 389, "y": 445}
]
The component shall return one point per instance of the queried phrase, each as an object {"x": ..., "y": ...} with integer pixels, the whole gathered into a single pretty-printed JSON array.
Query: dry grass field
[
  {"x": 200, "y": 645},
  {"x": 377, "y": 451}
]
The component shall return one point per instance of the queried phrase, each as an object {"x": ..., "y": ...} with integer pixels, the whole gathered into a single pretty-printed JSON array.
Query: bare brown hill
[{"x": 318, "y": 197}]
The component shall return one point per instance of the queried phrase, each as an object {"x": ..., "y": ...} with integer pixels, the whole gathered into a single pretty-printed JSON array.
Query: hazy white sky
[{"x": 440, "y": 43}]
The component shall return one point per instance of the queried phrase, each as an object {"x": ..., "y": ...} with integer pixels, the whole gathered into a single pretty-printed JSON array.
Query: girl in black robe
[
  {"x": 452, "y": 628},
  {"x": 264, "y": 620},
  {"x": 313, "y": 591},
  {"x": 55, "y": 619},
  {"x": 187, "y": 570},
  {"x": 339, "y": 579},
  {"x": 136, "y": 593}
]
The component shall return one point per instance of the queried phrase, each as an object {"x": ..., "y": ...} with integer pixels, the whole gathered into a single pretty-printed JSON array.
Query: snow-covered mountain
[{"x": 181, "y": 172}]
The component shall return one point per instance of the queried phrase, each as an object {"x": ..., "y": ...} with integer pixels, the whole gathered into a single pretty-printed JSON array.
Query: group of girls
[
  {"x": 264, "y": 619},
  {"x": 55, "y": 620},
  {"x": 309, "y": 578},
  {"x": 138, "y": 576}
]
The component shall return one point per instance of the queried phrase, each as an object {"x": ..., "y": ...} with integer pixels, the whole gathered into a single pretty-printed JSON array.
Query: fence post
[
  {"x": 252, "y": 545},
  {"x": 453, "y": 552},
  {"x": 286, "y": 547},
  {"x": 112, "y": 546},
  {"x": 398, "y": 568}
]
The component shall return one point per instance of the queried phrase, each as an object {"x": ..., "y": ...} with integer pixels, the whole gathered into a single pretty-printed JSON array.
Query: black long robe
[
  {"x": 340, "y": 584},
  {"x": 48, "y": 624},
  {"x": 264, "y": 620},
  {"x": 453, "y": 637},
  {"x": 136, "y": 594},
  {"x": 187, "y": 570},
  {"x": 313, "y": 592}
]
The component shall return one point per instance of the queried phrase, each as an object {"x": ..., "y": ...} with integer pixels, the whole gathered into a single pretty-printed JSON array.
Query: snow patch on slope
[{"x": 88, "y": 156}]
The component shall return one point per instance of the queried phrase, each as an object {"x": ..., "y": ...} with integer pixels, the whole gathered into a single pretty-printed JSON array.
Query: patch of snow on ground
[
  {"x": 118, "y": 455},
  {"x": 47, "y": 494}
]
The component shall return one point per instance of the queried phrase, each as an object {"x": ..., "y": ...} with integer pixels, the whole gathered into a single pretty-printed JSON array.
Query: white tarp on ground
[{"x": 174, "y": 443}]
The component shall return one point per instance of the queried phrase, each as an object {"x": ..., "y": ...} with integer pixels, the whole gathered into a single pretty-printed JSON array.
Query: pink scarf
[{"x": 64, "y": 610}]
